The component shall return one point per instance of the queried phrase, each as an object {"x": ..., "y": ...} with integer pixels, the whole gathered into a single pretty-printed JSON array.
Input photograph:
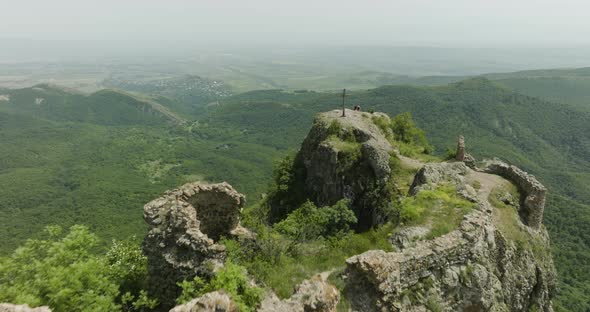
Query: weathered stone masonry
[
  {"x": 532, "y": 191},
  {"x": 185, "y": 225}
]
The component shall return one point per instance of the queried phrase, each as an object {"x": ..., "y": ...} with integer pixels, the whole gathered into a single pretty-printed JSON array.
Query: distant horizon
[
  {"x": 117, "y": 27},
  {"x": 397, "y": 59}
]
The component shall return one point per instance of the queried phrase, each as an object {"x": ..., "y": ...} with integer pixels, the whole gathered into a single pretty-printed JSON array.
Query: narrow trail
[{"x": 487, "y": 182}]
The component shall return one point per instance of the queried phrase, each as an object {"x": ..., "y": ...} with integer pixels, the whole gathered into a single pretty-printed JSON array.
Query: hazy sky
[{"x": 466, "y": 23}]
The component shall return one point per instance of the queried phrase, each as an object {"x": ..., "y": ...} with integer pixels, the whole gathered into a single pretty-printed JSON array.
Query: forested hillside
[
  {"x": 569, "y": 86},
  {"x": 97, "y": 159}
]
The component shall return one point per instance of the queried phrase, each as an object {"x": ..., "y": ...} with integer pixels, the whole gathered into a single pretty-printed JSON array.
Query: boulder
[
  {"x": 429, "y": 176},
  {"x": 217, "y": 301},
  {"x": 313, "y": 295}
]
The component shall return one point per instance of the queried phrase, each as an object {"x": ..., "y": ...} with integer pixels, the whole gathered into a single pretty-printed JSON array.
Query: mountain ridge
[{"x": 103, "y": 107}]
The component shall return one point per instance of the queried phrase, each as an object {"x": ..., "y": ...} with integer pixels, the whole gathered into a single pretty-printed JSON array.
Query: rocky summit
[
  {"x": 490, "y": 252},
  {"x": 346, "y": 158}
]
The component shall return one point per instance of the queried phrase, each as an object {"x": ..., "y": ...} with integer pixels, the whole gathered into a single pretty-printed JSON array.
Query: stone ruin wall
[
  {"x": 533, "y": 193},
  {"x": 185, "y": 225}
]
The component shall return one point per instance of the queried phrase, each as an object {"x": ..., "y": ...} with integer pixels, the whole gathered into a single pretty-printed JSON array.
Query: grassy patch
[
  {"x": 335, "y": 128},
  {"x": 349, "y": 147},
  {"x": 282, "y": 270},
  {"x": 415, "y": 151},
  {"x": 384, "y": 125},
  {"x": 441, "y": 209},
  {"x": 403, "y": 176},
  {"x": 403, "y": 133},
  {"x": 348, "y": 151},
  {"x": 507, "y": 219},
  {"x": 506, "y": 216},
  {"x": 476, "y": 185},
  {"x": 232, "y": 279},
  {"x": 336, "y": 279}
]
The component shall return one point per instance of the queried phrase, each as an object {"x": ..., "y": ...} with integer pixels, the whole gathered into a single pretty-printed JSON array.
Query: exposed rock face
[
  {"x": 407, "y": 237},
  {"x": 313, "y": 295},
  {"x": 533, "y": 192},
  {"x": 184, "y": 226},
  {"x": 351, "y": 164},
  {"x": 473, "y": 268},
  {"x": 7, "y": 307},
  {"x": 433, "y": 174},
  {"x": 216, "y": 301}
]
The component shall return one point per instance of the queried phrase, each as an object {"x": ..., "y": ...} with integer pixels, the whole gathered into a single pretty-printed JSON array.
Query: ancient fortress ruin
[
  {"x": 185, "y": 226},
  {"x": 532, "y": 191}
]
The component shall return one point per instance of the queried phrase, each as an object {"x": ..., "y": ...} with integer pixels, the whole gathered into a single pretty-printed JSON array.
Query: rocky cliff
[
  {"x": 492, "y": 262},
  {"x": 490, "y": 252},
  {"x": 346, "y": 158}
]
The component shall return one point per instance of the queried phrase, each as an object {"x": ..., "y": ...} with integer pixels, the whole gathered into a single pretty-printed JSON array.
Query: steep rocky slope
[
  {"x": 481, "y": 266},
  {"x": 491, "y": 254}
]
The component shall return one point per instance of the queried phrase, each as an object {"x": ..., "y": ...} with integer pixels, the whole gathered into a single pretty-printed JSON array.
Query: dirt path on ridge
[{"x": 487, "y": 182}]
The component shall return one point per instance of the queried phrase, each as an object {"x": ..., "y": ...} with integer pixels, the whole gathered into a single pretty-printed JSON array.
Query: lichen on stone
[{"x": 185, "y": 226}]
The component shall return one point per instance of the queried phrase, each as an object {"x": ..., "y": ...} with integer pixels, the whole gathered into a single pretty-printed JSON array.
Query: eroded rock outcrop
[
  {"x": 8, "y": 307},
  {"x": 477, "y": 267},
  {"x": 431, "y": 175},
  {"x": 460, "y": 154},
  {"x": 185, "y": 225},
  {"x": 347, "y": 158}
]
